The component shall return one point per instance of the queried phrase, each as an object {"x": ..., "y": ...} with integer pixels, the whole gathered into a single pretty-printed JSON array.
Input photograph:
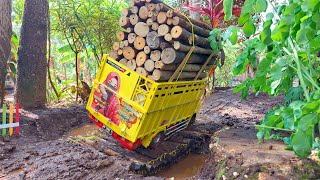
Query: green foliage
[
  {"x": 285, "y": 52},
  {"x": 227, "y": 8}
]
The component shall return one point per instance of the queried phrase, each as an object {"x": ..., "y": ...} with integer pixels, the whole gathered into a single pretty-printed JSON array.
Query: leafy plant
[{"x": 285, "y": 55}]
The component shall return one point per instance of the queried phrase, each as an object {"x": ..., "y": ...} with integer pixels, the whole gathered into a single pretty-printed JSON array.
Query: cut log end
[
  {"x": 149, "y": 65},
  {"x": 163, "y": 29},
  {"x": 143, "y": 12},
  {"x": 141, "y": 58},
  {"x": 129, "y": 53},
  {"x": 139, "y": 43},
  {"x": 162, "y": 18},
  {"x": 155, "y": 55},
  {"x": 176, "y": 31},
  {"x": 141, "y": 29},
  {"x": 131, "y": 64}
]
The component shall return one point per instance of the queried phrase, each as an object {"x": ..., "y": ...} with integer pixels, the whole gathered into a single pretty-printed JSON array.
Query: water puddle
[
  {"x": 185, "y": 168},
  {"x": 86, "y": 130}
]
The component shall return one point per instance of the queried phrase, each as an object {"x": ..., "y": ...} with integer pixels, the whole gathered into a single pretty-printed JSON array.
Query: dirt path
[{"x": 42, "y": 151}]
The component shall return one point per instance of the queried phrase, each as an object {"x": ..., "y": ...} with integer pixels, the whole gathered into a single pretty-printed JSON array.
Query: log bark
[
  {"x": 122, "y": 35},
  {"x": 134, "y": 19},
  {"x": 163, "y": 29},
  {"x": 131, "y": 38},
  {"x": 124, "y": 22},
  {"x": 163, "y": 7},
  {"x": 142, "y": 71},
  {"x": 177, "y": 21},
  {"x": 149, "y": 65},
  {"x": 146, "y": 49},
  {"x": 129, "y": 53},
  {"x": 155, "y": 55},
  {"x": 181, "y": 47},
  {"x": 141, "y": 29},
  {"x": 164, "y": 45},
  {"x": 181, "y": 34},
  {"x": 159, "y": 75},
  {"x": 162, "y": 18},
  {"x": 143, "y": 12},
  {"x": 187, "y": 67},
  {"x": 171, "y": 56},
  {"x": 131, "y": 64},
  {"x": 153, "y": 40},
  {"x": 141, "y": 58},
  {"x": 139, "y": 43}
]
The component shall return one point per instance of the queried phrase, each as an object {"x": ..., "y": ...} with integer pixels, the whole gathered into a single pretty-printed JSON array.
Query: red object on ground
[
  {"x": 126, "y": 143},
  {"x": 93, "y": 119},
  {"x": 17, "y": 120}
]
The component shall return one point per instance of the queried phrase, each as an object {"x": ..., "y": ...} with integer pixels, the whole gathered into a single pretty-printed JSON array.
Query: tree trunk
[
  {"x": 32, "y": 70},
  {"x": 5, "y": 42}
]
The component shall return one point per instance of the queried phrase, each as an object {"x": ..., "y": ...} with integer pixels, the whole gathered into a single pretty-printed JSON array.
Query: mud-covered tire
[
  {"x": 156, "y": 141},
  {"x": 193, "y": 119}
]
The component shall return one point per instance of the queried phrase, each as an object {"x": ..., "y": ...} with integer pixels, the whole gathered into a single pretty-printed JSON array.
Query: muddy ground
[{"x": 43, "y": 151}]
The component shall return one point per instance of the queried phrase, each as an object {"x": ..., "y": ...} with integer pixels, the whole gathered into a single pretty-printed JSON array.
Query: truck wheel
[
  {"x": 193, "y": 119},
  {"x": 156, "y": 141}
]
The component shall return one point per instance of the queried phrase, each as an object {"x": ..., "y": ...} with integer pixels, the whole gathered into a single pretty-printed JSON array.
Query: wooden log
[
  {"x": 124, "y": 61},
  {"x": 139, "y": 43},
  {"x": 125, "y": 12},
  {"x": 173, "y": 67},
  {"x": 143, "y": 12},
  {"x": 177, "y": 21},
  {"x": 120, "y": 52},
  {"x": 129, "y": 53},
  {"x": 164, "y": 45},
  {"x": 146, "y": 49},
  {"x": 134, "y": 9},
  {"x": 150, "y": 15},
  {"x": 159, "y": 75},
  {"x": 168, "y": 37},
  {"x": 171, "y": 56},
  {"x": 169, "y": 13},
  {"x": 131, "y": 64},
  {"x": 151, "y": 6},
  {"x": 155, "y": 55},
  {"x": 153, "y": 40},
  {"x": 134, "y": 19},
  {"x": 169, "y": 21},
  {"x": 131, "y": 3},
  {"x": 181, "y": 34},
  {"x": 124, "y": 22},
  {"x": 163, "y": 29},
  {"x": 132, "y": 38},
  {"x": 165, "y": 8},
  {"x": 181, "y": 47},
  {"x": 116, "y": 46},
  {"x": 122, "y": 44},
  {"x": 162, "y": 18},
  {"x": 114, "y": 54},
  {"x": 125, "y": 43},
  {"x": 129, "y": 30},
  {"x": 122, "y": 35},
  {"x": 141, "y": 58},
  {"x": 149, "y": 65},
  {"x": 155, "y": 26},
  {"x": 142, "y": 71},
  {"x": 141, "y": 29},
  {"x": 149, "y": 21}
]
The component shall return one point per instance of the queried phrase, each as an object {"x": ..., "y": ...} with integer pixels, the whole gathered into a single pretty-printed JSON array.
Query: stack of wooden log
[{"x": 156, "y": 40}]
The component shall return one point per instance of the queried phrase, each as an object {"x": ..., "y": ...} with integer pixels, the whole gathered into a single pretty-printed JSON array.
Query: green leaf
[
  {"x": 227, "y": 9},
  {"x": 243, "y": 19},
  {"x": 261, "y": 6},
  {"x": 308, "y": 5},
  {"x": 64, "y": 49},
  {"x": 248, "y": 7},
  {"x": 274, "y": 85},
  {"x": 13, "y": 68},
  {"x": 249, "y": 28},
  {"x": 67, "y": 58},
  {"x": 302, "y": 144},
  {"x": 234, "y": 36},
  {"x": 308, "y": 121},
  {"x": 311, "y": 107},
  {"x": 291, "y": 9}
]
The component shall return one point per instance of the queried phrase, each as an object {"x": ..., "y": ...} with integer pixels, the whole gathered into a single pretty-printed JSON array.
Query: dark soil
[{"x": 43, "y": 152}]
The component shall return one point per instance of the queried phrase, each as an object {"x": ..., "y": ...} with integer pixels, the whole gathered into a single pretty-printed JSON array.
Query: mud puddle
[
  {"x": 87, "y": 130},
  {"x": 185, "y": 168}
]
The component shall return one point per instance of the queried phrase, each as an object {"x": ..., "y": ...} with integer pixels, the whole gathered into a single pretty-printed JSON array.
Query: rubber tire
[
  {"x": 193, "y": 120},
  {"x": 156, "y": 141}
]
